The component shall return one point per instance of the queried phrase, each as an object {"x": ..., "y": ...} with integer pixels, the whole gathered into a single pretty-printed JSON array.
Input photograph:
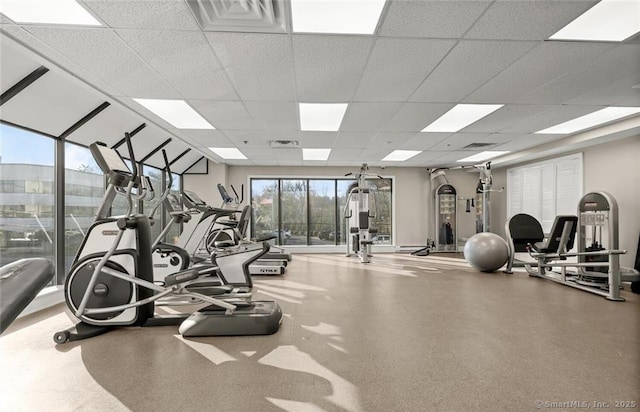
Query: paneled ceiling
[{"x": 424, "y": 58}]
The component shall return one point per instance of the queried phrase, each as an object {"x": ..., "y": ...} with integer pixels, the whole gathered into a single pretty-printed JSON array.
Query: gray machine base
[{"x": 257, "y": 318}]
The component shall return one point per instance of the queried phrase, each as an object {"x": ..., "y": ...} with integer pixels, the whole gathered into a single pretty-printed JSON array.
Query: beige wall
[
  {"x": 613, "y": 167},
  {"x": 412, "y": 191}
]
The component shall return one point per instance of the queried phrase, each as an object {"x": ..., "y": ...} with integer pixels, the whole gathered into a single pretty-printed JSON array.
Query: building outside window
[
  {"x": 26, "y": 195},
  {"x": 310, "y": 211}
]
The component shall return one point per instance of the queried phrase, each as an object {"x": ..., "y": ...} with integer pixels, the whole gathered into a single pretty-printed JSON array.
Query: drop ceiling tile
[
  {"x": 225, "y": 115},
  {"x": 14, "y": 65},
  {"x": 185, "y": 60},
  {"x": 526, "y": 19},
  {"x": 52, "y": 55},
  {"x": 108, "y": 126},
  {"x": 260, "y": 66},
  {"x": 328, "y": 68},
  {"x": 397, "y": 66},
  {"x": 257, "y": 153},
  {"x": 287, "y": 155},
  {"x": 136, "y": 14},
  {"x": 527, "y": 142},
  {"x": 353, "y": 140},
  {"x": 624, "y": 92},
  {"x": 259, "y": 138},
  {"x": 274, "y": 115},
  {"x": 423, "y": 141},
  {"x": 112, "y": 61},
  {"x": 208, "y": 138},
  {"x": 501, "y": 138},
  {"x": 437, "y": 19},
  {"x": 413, "y": 117},
  {"x": 552, "y": 117},
  {"x": 603, "y": 71},
  {"x": 506, "y": 116},
  {"x": 347, "y": 155},
  {"x": 318, "y": 140},
  {"x": 468, "y": 66},
  {"x": 392, "y": 140},
  {"x": 39, "y": 106},
  {"x": 365, "y": 117},
  {"x": 540, "y": 65},
  {"x": 457, "y": 141}
]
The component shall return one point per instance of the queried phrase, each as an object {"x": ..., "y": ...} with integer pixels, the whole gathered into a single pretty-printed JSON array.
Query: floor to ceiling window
[
  {"x": 26, "y": 195},
  {"x": 311, "y": 211},
  {"x": 84, "y": 187}
]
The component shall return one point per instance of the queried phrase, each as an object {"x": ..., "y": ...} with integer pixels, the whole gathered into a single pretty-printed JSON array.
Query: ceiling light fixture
[
  {"x": 482, "y": 156},
  {"x": 592, "y": 119},
  {"x": 177, "y": 112},
  {"x": 461, "y": 116},
  {"x": 228, "y": 153},
  {"x": 400, "y": 155},
  {"x": 609, "y": 20},
  {"x": 315, "y": 154},
  {"x": 347, "y": 17},
  {"x": 322, "y": 116},
  {"x": 47, "y": 12}
]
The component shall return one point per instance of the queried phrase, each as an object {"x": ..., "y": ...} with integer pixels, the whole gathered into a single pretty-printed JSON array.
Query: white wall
[{"x": 613, "y": 167}]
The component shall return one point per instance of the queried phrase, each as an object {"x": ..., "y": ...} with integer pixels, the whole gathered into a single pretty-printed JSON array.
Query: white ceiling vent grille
[
  {"x": 284, "y": 144},
  {"x": 260, "y": 16}
]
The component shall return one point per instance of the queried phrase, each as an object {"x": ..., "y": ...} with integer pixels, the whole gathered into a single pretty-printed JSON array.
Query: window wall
[
  {"x": 83, "y": 190},
  {"x": 26, "y": 195},
  {"x": 174, "y": 232},
  {"x": 310, "y": 211}
]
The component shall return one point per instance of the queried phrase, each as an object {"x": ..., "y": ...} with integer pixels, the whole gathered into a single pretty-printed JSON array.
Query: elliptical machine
[{"x": 115, "y": 288}]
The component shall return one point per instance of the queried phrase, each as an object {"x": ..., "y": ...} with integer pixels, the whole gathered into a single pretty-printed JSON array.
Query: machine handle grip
[{"x": 134, "y": 164}]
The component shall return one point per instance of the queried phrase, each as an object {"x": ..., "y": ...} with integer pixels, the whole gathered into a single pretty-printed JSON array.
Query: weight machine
[{"x": 361, "y": 200}]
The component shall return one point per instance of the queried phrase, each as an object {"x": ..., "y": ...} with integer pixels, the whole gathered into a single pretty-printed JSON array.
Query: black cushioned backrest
[{"x": 524, "y": 229}]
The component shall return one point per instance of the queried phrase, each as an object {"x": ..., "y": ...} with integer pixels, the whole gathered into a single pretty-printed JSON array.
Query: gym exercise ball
[{"x": 486, "y": 252}]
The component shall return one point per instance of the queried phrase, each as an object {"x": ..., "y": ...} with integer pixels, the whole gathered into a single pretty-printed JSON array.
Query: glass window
[
  {"x": 342, "y": 186},
  {"x": 84, "y": 188},
  {"x": 293, "y": 218},
  {"x": 174, "y": 232},
  {"x": 26, "y": 216},
  {"x": 322, "y": 212},
  {"x": 382, "y": 212},
  {"x": 264, "y": 206},
  {"x": 155, "y": 175}
]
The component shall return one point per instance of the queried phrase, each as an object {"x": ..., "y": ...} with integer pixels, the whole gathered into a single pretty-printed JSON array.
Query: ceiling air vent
[
  {"x": 284, "y": 144},
  {"x": 478, "y": 145},
  {"x": 260, "y": 16}
]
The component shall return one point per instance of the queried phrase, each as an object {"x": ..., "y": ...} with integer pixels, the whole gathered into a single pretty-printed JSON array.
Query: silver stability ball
[{"x": 486, "y": 252}]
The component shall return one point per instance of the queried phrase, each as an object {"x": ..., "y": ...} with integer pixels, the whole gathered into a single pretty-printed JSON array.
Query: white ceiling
[{"x": 425, "y": 57}]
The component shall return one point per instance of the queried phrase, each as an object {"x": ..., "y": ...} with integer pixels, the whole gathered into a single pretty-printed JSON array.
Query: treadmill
[{"x": 218, "y": 228}]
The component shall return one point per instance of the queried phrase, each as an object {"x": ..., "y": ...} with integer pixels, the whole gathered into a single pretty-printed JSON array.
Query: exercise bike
[{"x": 115, "y": 288}]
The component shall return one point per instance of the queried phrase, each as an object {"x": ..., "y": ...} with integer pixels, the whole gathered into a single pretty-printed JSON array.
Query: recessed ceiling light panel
[
  {"x": 461, "y": 116},
  {"x": 330, "y": 16},
  {"x": 590, "y": 120},
  {"x": 400, "y": 155},
  {"x": 228, "y": 153},
  {"x": 609, "y": 20},
  {"x": 47, "y": 12},
  {"x": 322, "y": 116},
  {"x": 177, "y": 112}
]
